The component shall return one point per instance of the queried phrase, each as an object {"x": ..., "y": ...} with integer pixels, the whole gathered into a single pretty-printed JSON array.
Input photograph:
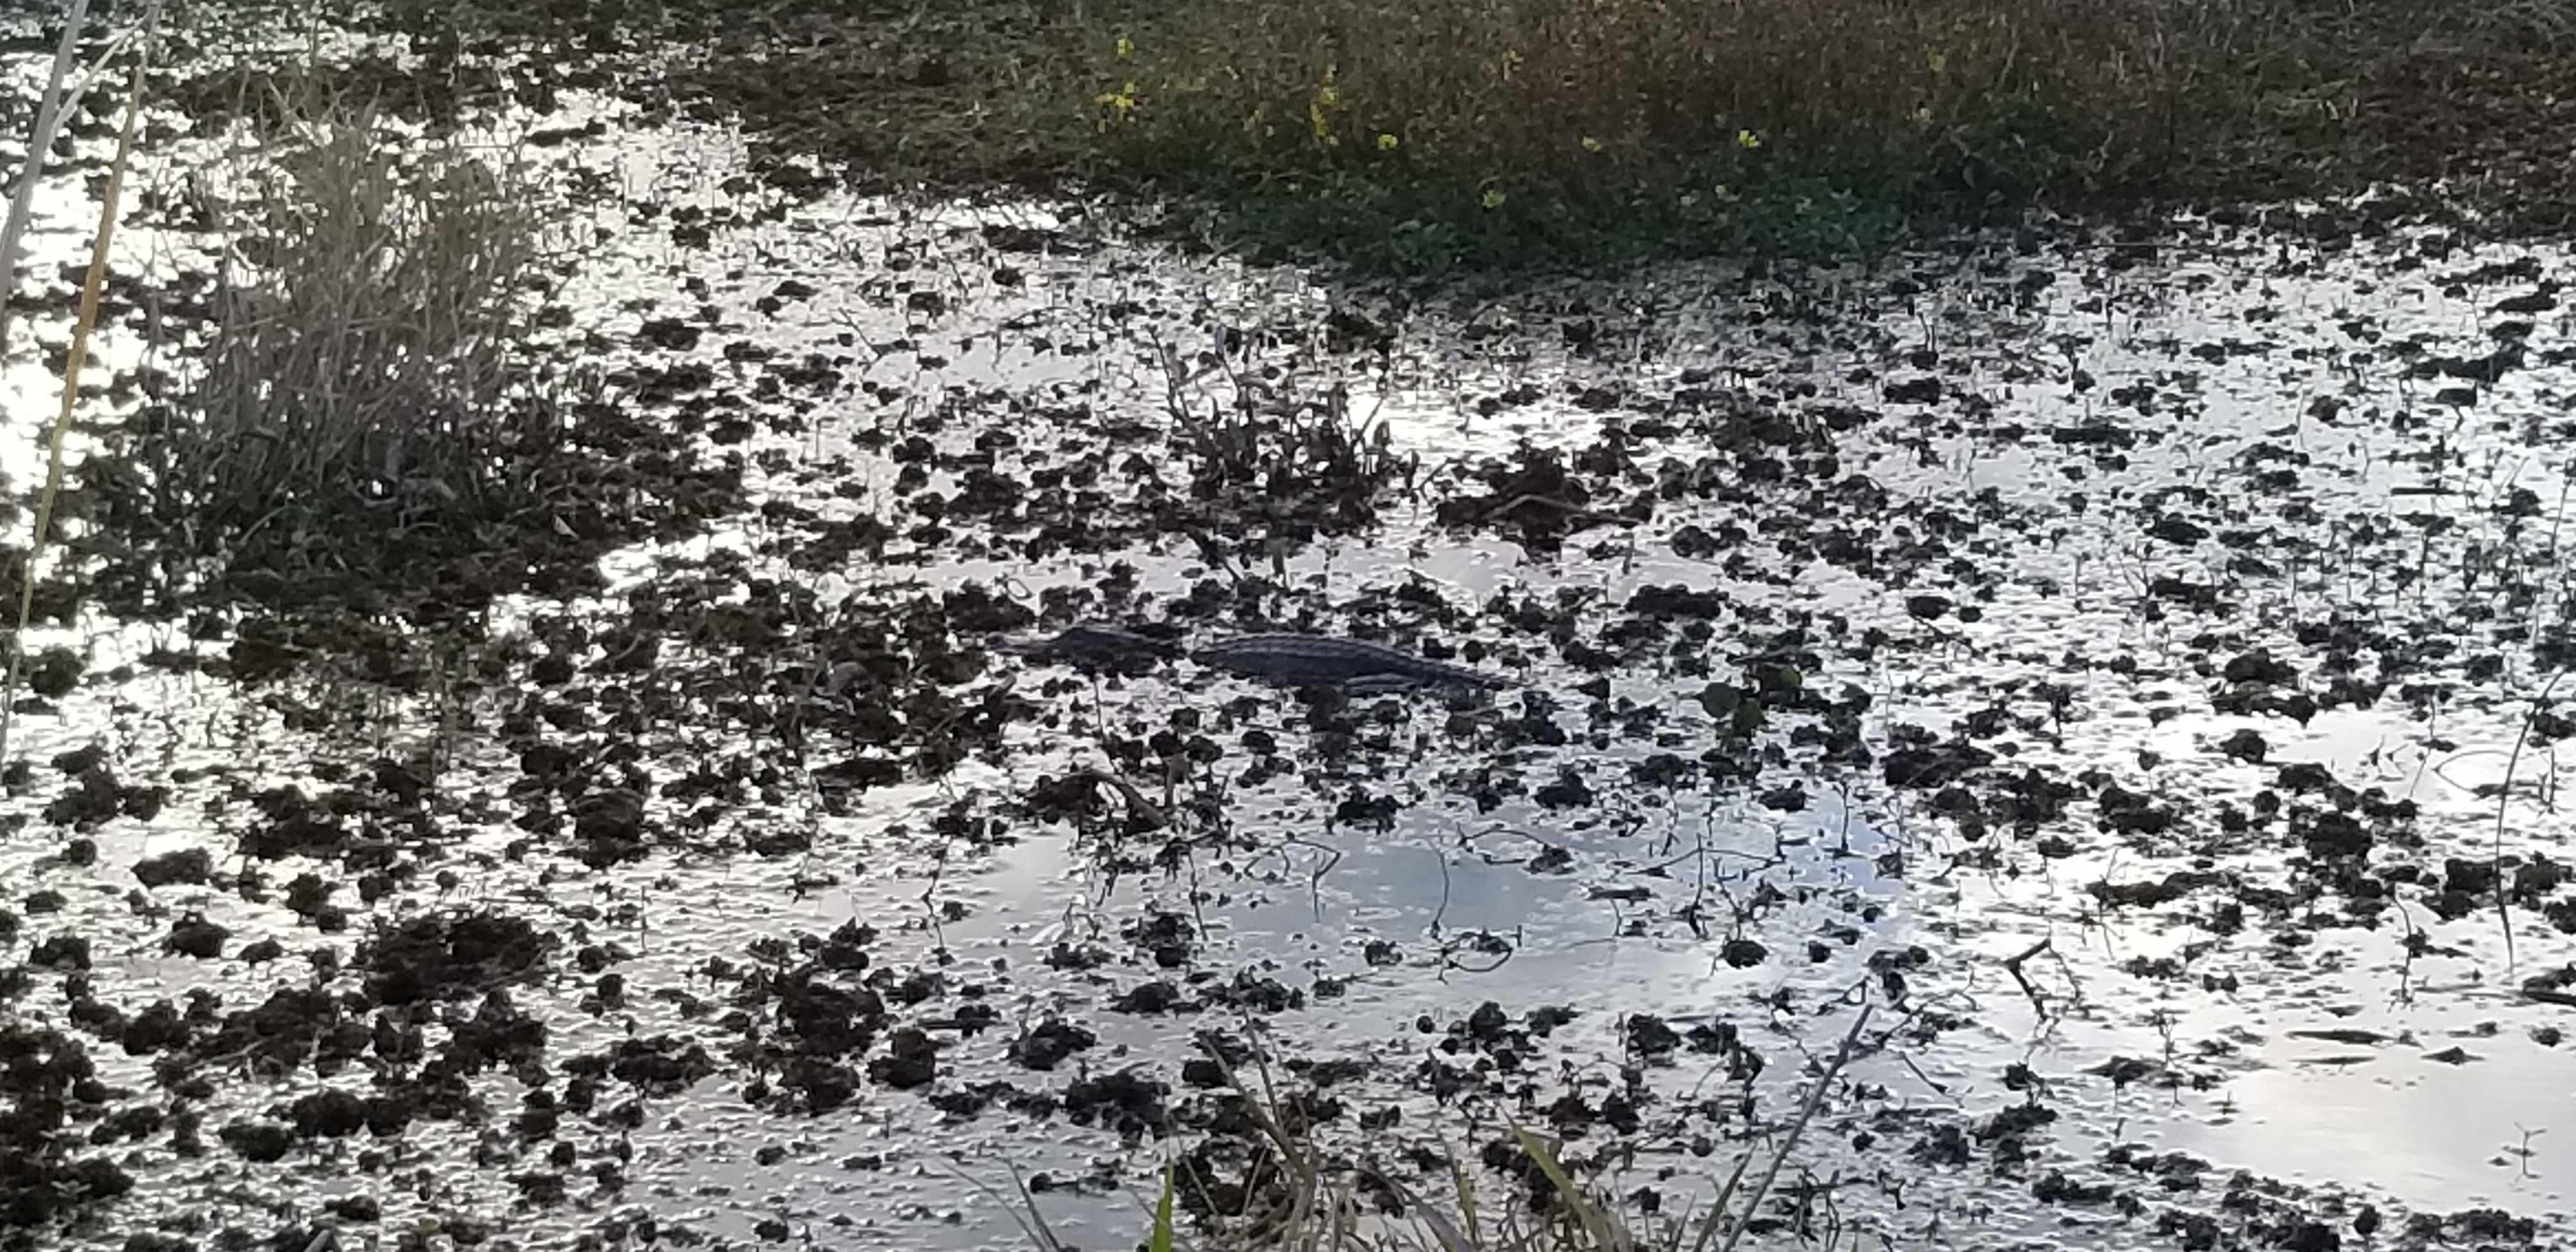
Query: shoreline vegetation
[{"x": 1430, "y": 137}]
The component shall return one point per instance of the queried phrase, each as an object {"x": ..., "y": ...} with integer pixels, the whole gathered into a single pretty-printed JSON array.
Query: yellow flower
[
  {"x": 1126, "y": 47},
  {"x": 1386, "y": 142},
  {"x": 1117, "y": 104},
  {"x": 1747, "y": 140},
  {"x": 1591, "y": 144},
  {"x": 1493, "y": 199},
  {"x": 1320, "y": 110},
  {"x": 1937, "y": 59}
]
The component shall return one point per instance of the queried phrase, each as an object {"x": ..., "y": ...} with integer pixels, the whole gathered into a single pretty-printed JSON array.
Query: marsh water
[{"x": 2151, "y": 641}]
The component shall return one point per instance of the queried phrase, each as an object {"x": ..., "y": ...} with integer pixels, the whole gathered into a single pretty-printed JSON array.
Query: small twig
[
  {"x": 1139, "y": 809},
  {"x": 1573, "y": 512},
  {"x": 2012, "y": 965},
  {"x": 1928, "y": 1080},
  {"x": 2504, "y": 801}
]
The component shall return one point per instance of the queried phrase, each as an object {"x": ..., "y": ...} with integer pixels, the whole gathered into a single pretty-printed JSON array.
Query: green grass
[
  {"x": 1428, "y": 136},
  {"x": 1431, "y": 134},
  {"x": 1461, "y": 132}
]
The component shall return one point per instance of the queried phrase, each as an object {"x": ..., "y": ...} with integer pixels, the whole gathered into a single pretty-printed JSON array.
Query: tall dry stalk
[
  {"x": 92, "y": 284},
  {"x": 40, "y": 140}
]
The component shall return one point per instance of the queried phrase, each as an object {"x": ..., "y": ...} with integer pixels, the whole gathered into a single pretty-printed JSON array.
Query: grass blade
[
  {"x": 1161, "y": 1239},
  {"x": 40, "y": 140},
  {"x": 1599, "y": 1230}
]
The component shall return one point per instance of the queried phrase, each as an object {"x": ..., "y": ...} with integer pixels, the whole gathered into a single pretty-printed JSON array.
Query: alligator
[{"x": 1299, "y": 660}]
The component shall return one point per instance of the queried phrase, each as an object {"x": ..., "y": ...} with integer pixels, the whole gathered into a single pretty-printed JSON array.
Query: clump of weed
[
  {"x": 358, "y": 365},
  {"x": 1266, "y": 1175},
  {"x": 357, "y": 413},
  {"x": 1273, "y": 468}
]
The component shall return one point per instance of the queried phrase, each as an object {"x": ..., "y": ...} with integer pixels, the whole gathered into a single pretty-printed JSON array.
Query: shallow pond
[{"x": 2122, "y": 663}]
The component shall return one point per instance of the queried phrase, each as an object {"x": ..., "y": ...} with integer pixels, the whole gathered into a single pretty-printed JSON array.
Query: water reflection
[{"x": 2141, "y": 452}]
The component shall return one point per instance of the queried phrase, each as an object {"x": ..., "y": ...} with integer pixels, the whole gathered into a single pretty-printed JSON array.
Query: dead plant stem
[{"x": 92, "y": 284}]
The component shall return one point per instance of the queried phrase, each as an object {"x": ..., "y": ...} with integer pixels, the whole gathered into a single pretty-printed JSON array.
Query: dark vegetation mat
[{"x": 567, "y": 489}]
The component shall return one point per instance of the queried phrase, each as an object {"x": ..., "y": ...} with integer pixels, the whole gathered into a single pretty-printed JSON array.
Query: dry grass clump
[
  {"x": 358, "y": 364},
  {"x": 356, "y": 414}
]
